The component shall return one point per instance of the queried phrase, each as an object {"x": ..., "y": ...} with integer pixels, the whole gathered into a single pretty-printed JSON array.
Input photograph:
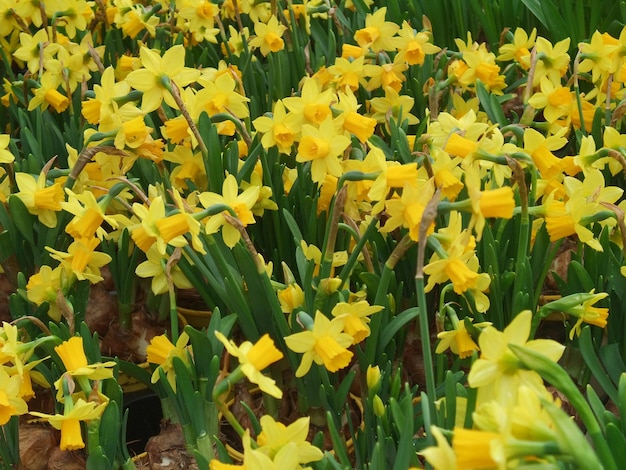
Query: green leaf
[
  {"x": 590, "y": 356},
  {"x": 24, "y": 221},
  {"x": 391, "y": 328}
]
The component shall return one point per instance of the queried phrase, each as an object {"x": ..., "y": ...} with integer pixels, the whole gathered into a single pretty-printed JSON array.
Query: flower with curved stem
[
  {"x": 540, "y": 149},
  {"x": 72, "y": 354},
  {"x": 48, "y": 95},
  {"x": 325, "y": 344},
  {"x": 253, "y": 358},
  {"x": 69, "y": 421},
  {"x": 459, "y": 340}
]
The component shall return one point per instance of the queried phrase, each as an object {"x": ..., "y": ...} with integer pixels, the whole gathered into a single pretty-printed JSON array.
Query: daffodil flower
[
  {"x": 162, "y": 352},
  {"x": 275, "y": 436},
  {"x": 11, "y": 402},
  {"x": 69, "y": 421},
  {"x": 253, "y": 358},
  {"x": 498, "y": 373},
  {"x": 325, "y": 345}
]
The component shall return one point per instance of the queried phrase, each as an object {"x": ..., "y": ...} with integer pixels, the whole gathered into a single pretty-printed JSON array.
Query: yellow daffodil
[
  {"x": 161, "y": 352},
  {"x": 69, "y": 421},
  {"x": 88, "y": 215},
  {"x": 377, "y": 34},
  {"x": 519, "y": 48},
  {"x": 459, "y": 340},
  {"x": 413, "y": 46},
  {"x": 497, "y": 373},
  {"x": 11, "y": 403},
  {"x": 81, "y": 260},
  {"x": 40, "y": 199},
  {"x": 275, "y": 436},
  {"x": 406, "y": 211},
  {"x": 268, "y": 36},
  {"x": 44, "y": 286},
  {"x": 280, "y": 130},
  {"x": 322, "y": 147},
  {"x": 241, "y": 204},
  {"x": 356, "y": 318},
  {"x": 253, "y": 358},
  {"x": 440, "y": 456},
  {"x": 325, "y": 345},
  {"x": 5, "y": 154},
  {"x": 150, "y": 79}
]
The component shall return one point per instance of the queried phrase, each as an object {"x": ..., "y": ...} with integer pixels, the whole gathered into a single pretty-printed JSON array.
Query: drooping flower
[{"x": 69, "y": 421}]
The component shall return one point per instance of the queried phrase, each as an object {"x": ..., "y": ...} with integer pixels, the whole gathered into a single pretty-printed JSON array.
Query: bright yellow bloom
[
  {"x": 326, "y": 344},
  {"x": 73, "y": 356},
  {"x": 253, "y": 358},
  {"x": 240, "y": 203},
  {"x": 377, "y": 34},
  {"x": 555, "y": 100},
  {"x": 69, "y": 421},
  {"x": 313, "y": 104},
  {"x": 477, "y": 449},
  {"x": 497, "y": 374},
  {"x": 406, "y": 211},
  {"x": 413, "y": 46},
  {"x": 290, "y": 297},
  {"x": 598, "y": 57},
  {"x": 552, "y": 60},
  {"x": 459, "y": 340},
  {"x": 81, "y": 260},
  {"x": 155, "y": 267},
  {"x": 268, "y": 36},
  {"x": 44, "y": 286},
  {"x": 162, "y": 352},
  {"x": 322, "y": 147},
  {"x": 275, "y": 436},
  {"x": 280, "y": 130},
  {"x": 40, "y": 200},
  {"x": 586, "y": 312},
  {"x": 88, "y": 216},
  {"x": 540, "y": 149},
  {"x": 5, "y": 155},
  {"x": 11, "y": 402},
  {"x": 356, "y": 318},
  {"x": 441, "y": 456},
  {"x": 150, "y": 79},
  {"x": 519, "y": 49},
  {"x": 48, "y": 95}
]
